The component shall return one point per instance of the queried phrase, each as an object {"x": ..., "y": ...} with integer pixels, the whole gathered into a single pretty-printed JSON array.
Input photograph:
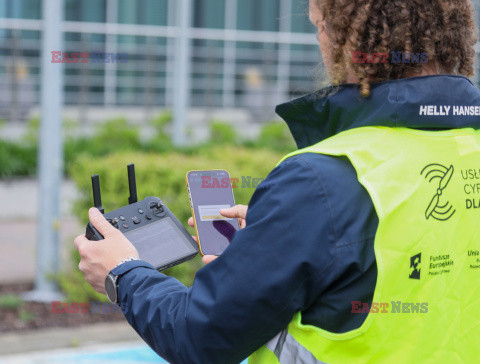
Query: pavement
[
  {"x": 100, "y": 343},
  {"x": 128, "y": 352},
  {"x": 80, "y": 338},
  {"x": 18, "y": 227},
  {"x": 110, "y": 343}
]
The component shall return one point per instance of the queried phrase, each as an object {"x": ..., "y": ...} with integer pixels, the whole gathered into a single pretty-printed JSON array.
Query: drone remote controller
[{"x": 153, "y": 229}]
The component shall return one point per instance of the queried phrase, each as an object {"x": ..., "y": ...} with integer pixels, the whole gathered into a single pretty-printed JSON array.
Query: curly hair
[{"x": 443, "y": 29}]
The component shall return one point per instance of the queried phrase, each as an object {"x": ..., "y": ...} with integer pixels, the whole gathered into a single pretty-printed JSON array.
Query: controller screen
[{"x": 160, "y": 243}]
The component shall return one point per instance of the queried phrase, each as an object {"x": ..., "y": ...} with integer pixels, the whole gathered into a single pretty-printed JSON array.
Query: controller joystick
[{"x": 157, "y": 208}]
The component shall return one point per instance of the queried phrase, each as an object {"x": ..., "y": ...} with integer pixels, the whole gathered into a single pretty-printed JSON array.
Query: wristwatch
[{"x": 111, "y": 279}]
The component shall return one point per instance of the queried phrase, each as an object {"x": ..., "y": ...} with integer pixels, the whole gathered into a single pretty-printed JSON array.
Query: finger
[
  {"x": 242, "y": 223},
  {"x": 209, "y": 258},
  {"x": 224, "y": 228},
  {"x": 100, "y": 223},
  {"x": 79, "y": 240},
  {"x": 190, "y": 222},
  {"x": 81, "y": 266},
  {"x": 238, "y": 211}
]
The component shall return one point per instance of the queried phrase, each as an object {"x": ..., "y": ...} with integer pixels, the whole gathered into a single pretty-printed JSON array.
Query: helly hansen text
[{"x": 444, "y": 110}]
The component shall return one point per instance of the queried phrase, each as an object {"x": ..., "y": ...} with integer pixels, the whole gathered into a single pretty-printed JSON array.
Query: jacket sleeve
[{"x": 279, "y": 264}]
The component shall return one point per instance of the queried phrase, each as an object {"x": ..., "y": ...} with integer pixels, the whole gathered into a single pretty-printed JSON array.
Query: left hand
[{"x": 98, "y": 258}]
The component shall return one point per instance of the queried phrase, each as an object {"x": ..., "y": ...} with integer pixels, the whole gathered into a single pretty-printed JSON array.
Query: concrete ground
[
  {"x": 18, "y": 227},
  {"x": 95, "y": 344},
  {"x": 66, "y": 338},
  {"x": 101, "y": 343},
  {"x": 118, "y": 353}
]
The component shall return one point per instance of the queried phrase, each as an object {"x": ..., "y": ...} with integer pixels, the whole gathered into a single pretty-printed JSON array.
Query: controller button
[
  {"x": 148, "y": 217},
  {"x": 125, "y": 226},
  {"x": 136, "y": 221},
  {"x": 122, "y": 217},
  {"x": 140, "y": 211}
]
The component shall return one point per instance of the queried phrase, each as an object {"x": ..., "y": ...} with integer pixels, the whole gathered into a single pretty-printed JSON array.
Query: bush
[
  {"x": 275, "y": 135},
  {"x": 10, "y": 301},
  {"x": 222, "y": 133},
  {"x": 163, "y": 176},
  {"x": 17, "y": 160},
  {"x": 160, "y": 141},
  {"x": 112, "y": 136},
  {"x": 117, "y": 135}
]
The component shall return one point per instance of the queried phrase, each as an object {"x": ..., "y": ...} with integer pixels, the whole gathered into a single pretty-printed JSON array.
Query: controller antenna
[
  {"x": 132, "y": 184},
  {"x": 97, "y": 198}
]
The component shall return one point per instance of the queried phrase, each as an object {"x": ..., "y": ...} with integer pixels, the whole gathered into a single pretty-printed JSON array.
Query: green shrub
[
  {"x": 33, "y": 130},
  {"x": 221, "y": 133},
  {"x": 161, "y": 175},
  {"x": 10, "y": 301},
  {"x": 275, "y": 135},
  {"x": 26, "y": 316},
  {"x": 161, "y": 140},
  {"x": 17, "y": 159},
  {"x": 162, "y": 120},
  {"x": 110, "y": 137}
]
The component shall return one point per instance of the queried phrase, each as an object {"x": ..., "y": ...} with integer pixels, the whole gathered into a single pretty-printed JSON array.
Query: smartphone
[{"x": 210, "y": 191}]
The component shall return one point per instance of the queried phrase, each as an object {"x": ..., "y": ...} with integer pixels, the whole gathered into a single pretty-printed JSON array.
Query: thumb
[
  {"x": 238, "y": 211},
  {"x": 100, "y": 223}
]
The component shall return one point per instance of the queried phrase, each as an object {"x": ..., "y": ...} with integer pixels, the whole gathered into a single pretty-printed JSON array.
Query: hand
[
  {"x": 238, "y": 211},
  {"x": 98, "y": 258}
]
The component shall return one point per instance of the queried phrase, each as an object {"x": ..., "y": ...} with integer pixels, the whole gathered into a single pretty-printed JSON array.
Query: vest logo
[
  {"x": 436, "y": 209},
  {"x": 415, "y": 266}
]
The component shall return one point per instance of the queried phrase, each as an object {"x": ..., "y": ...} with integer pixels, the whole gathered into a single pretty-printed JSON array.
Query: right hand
[{"x": 238, "y": 211}]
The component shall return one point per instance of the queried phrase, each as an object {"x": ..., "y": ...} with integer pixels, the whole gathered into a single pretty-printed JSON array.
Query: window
[
  {"x": 24, "y": 9},
  {"x": 85, "y": 10},
  {"x": 209, "y": 14},
  {"x": 258, "y": 15}
]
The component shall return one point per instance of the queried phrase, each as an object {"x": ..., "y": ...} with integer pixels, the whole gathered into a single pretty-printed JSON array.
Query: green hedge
[
  {"x": 118, "y": 135},
  {"x": 17, "y": 160},
  {"x": 161, "y": 175}
]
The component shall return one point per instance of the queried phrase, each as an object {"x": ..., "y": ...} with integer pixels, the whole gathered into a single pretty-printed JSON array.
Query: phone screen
[{"x": 211, "y": 191}]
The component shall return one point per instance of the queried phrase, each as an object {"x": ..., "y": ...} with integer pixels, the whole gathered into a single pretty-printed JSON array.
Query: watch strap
[{"x": 129, "y": 259}]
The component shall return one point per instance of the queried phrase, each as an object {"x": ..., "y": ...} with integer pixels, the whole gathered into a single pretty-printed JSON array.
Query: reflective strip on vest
[{"x": 289, "y": 351}]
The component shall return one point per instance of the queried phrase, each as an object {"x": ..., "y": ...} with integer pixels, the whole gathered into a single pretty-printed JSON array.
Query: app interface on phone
[{"x": 211, "y": 191}]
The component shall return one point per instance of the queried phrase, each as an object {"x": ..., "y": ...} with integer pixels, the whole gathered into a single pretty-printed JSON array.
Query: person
[{"x": 359, "y": 247}]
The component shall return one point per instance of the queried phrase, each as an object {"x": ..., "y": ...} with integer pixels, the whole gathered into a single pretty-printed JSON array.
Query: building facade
[{"x": 243, "y": 53}]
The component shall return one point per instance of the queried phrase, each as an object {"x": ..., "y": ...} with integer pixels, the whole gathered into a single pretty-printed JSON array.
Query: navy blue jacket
[{"x": 308, "y": 244}]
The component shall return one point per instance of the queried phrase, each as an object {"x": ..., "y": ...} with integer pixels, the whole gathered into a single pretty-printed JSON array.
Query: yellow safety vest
[{"x": 425, "y": 186}]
